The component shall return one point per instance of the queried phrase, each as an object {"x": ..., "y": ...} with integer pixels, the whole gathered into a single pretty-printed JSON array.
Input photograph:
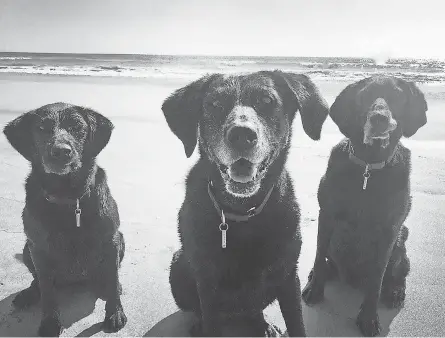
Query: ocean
[{"x": 149, "y": 66}]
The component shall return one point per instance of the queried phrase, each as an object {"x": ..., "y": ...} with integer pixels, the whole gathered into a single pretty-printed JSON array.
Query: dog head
[
  {"x": 58, "y": 138},
  {"x": 379, "y": 109},
  {"x": 243, "y": 122}
]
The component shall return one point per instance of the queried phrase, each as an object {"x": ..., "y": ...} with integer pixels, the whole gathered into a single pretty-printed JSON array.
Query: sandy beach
[{"x": 146, "y": 167}]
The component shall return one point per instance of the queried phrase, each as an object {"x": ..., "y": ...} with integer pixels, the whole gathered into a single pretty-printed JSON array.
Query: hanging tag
[
  {"x": 78, "y": 211},
  {"x": 366, "y": 176},
  {"x": 223, "y": 227}
]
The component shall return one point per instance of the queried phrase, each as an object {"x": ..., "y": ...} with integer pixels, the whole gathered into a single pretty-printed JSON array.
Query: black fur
[
  {"x": 361, "y": 235},
  {"x": 56, "y": 251},
  {"x": 259, "y": 264}
]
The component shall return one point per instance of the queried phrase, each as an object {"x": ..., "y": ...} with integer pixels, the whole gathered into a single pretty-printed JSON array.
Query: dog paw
[
  {"x": 273, "y": 331},
  {"x": 196, "y": 330},
  {"x": 313, "y": 293},
  {"x": 394, "y": 298},
  {"x": 50, "y": 327},
  {"x": 115, "y": 321},
  {"x": 368, "y": 323},
  {"x": 26, "y": 298}
]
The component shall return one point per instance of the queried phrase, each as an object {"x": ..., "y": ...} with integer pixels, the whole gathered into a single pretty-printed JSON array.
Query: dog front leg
[
  {"x": 368, "y": 319},
  {"x": 289, "y": 298},
  {"x": 50, "y": 325},
  {"x": 115, "y": 318},
  {"x": 210, "y": 324},
  {"x": 314, "y": 289}
]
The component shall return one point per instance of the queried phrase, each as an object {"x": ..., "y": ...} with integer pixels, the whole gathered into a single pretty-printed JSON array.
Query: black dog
[
  {"x": 365, "y": 197},
  {"x": 70, "y": 218},
  {"x": 239, "y": 223}
]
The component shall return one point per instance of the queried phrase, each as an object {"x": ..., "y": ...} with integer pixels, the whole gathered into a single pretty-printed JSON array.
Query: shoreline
[{"x": 346, "y": 75}]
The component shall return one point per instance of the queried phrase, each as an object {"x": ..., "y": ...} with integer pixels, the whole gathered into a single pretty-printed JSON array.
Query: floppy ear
[
  {"x": 100, "y": 130},
  {"x": 312, "y": 106},
  {"x": 183, "y": 110},
  {"x": 343, "y": 110},
  {"x": 19, "y": 134},
  {"x": 414, "y": 115}
]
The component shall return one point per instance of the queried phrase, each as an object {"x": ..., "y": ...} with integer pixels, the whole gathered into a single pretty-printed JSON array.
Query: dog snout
[
  {"x": 242, "y": 138},
  {"x": 379, "y": 104},
  {"x": 61, "y": 151}
]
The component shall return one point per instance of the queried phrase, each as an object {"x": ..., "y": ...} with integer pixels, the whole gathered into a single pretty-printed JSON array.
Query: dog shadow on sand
[
  {"x": 75, "y": 303},
  {"x": 334, "y": 317}
]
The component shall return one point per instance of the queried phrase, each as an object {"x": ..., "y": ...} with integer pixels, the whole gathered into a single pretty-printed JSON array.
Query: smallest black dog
[
  {"x": 70, "y": 218},
  {"x": 364, "y": 196}
]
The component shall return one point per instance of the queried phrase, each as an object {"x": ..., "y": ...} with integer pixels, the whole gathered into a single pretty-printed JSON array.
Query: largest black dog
[
  {"x": 239, "y": 223},
  {"x": 365, "y": 197},
  {"x": 62, "y": 141}
]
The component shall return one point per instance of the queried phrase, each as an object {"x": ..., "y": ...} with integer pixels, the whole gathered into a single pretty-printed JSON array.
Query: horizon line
[{"x": 233, "y": 56}]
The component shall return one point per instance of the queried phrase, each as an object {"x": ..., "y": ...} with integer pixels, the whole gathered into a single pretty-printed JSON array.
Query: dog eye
[
  {"x": 264, "y": 102},
  {"x": 74, "y": 128},
  {"x": 46, "y": 128},
  {"x": 266, "y": 99},
  {"x": 215, "y": 105}
]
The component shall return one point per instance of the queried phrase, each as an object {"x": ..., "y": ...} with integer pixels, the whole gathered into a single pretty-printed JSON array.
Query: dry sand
[{"x": 146, "y": 166}]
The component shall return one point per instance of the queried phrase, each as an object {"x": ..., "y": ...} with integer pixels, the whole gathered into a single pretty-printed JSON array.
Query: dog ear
[
  {"x": 312, "y": 106},
  {"x": 414, "y": 115},
  {"x": 183, "y": 110},
  {"x": 100, "y": 130},
  {"x": 19, "y": 134},
  {"x": 343, "y": 110}
]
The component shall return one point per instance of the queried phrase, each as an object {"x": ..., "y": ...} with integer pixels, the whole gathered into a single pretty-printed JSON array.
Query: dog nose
[
  {"x": 242, "y": 138},
  {"x": 61, "y": 151},
  {"x": 380, "y": 104}
]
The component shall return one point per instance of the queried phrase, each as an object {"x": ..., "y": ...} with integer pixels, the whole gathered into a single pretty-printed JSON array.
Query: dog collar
[
  {"x": 67, "y": 201},
  {"x": 368, "y": 166},
  {"x": 223, "y": 227}
]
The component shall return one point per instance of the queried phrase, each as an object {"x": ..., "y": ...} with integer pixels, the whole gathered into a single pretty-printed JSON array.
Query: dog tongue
[{"x": 242, "y": 171}]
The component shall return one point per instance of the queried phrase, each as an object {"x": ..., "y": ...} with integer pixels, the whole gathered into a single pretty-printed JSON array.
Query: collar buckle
[{"x": 251, "y": 212}]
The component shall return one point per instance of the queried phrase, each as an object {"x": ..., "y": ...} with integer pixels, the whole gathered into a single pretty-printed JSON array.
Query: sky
[{"x": 371, "y": 28}]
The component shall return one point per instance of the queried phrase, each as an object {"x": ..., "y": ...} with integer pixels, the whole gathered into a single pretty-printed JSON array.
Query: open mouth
[
  {"x": 242, "y": 177},
  {"x": 381, "y": 135},
  {"x": 382, "y": 139}
]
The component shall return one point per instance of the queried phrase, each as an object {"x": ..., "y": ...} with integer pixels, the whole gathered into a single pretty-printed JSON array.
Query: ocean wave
[
  {"x": 235, "y": 63},
  {"x": 340, "y": 73},
  {"x": 100, "y": 71},
  {"x": 12, "y": 58}
]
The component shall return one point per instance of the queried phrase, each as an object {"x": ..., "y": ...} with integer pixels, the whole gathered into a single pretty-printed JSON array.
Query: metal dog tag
[
  {"x": 366, "y": 176},
  {"x": 223, "y": 227},
  {"x": 77, "y": 212}
]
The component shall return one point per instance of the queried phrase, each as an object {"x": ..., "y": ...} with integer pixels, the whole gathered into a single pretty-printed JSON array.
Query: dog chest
[
  {"x": 364, "y": 221},
  {"x": 74, "y": 251},
  {"x": 248, "y": 277},
  {"x": 246, "y": 289},
  {"x": 76, "y": 255}
]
